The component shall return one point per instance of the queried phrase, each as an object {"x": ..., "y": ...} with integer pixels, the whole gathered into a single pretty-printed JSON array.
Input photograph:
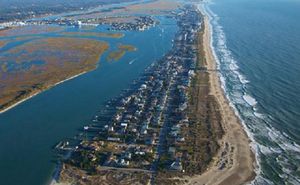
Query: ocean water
[
  {"x": 29, "y": 131},
  {"x": 257, "y": 45}
]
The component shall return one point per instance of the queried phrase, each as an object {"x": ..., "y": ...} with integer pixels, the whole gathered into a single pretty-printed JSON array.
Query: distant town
[
  {"x": 139, "y": 23},
  {"x": 16, "y": 11}
]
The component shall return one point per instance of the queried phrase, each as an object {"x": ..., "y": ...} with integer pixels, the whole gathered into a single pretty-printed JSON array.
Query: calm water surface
[{"x": 29, "y": 131}]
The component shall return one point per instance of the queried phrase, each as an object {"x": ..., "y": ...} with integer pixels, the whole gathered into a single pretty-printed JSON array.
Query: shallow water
[
  {"x": 29, "y": 131},
  {"x": 257, "y": 44}
]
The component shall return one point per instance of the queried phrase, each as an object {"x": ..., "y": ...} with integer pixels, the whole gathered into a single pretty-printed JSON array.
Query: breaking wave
[{"x": 275, "y": 151}]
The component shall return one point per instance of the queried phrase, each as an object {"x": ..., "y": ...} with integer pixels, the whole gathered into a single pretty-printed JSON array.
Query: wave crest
[{"x": 273, "y": 148}]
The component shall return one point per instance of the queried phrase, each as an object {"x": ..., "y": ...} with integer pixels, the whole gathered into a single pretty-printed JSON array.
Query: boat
[{"x": 131, "y": 62}]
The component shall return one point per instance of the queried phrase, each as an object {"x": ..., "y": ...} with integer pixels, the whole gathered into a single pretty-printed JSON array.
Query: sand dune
[{"x": 235, "y": 162}]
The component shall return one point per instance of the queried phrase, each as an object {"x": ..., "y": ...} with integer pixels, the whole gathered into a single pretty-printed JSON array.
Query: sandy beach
[{"x": 235, "y": 162}]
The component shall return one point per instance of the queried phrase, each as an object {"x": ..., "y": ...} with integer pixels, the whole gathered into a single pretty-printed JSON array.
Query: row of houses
[
  {"x": 140, "y": 23},
  {"x": 176, "y": 113},
  {"x": 143, "y": 129}
]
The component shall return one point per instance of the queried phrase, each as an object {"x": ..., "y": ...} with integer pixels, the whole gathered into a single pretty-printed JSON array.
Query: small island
[{"x": 120, "y": 52}]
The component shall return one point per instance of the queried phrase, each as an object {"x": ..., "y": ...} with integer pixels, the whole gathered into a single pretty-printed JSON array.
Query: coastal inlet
[
  {"x": 30, "y": 131},
  {"x": 32, "y": 63}
]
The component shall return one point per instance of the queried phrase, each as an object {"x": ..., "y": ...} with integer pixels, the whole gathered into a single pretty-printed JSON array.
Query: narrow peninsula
[{"x": 174, "y": 126}]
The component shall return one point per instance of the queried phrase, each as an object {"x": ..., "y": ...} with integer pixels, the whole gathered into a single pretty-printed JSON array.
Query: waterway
[{"x": 29, "y": 131}]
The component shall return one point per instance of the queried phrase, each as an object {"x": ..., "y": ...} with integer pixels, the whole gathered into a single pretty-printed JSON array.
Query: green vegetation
[
  {"x": 29, "y": 30},
  {"x": 94, "y": 34},
  {"x": 120, "y": 52},
  {"x": 205, "y": 128},
  {"x": 45, "y": 62}
]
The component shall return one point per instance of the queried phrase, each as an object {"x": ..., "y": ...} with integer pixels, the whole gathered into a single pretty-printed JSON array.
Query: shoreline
[
  {"x": 241, "y": 157},
  {"x": 38, "y": 92}
]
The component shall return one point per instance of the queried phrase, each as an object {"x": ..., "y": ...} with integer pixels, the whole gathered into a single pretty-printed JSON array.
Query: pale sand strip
[
  {"x": 240, "y": 164},
  {"x": 53, "y": 182}
]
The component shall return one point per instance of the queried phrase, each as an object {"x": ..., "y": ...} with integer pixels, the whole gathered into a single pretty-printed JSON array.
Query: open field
[
  {"x": 94, "y": 34},
  {"x": 153, "y": 7},
  {"x": 37, "y": 65},
  {"x": 29, "y": 30},
  {"x": 104, "y": 177}
]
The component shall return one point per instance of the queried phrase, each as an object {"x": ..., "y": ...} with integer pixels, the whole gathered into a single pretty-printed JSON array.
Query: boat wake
[
  {"x": 132, "y": 61},
  {"x": 276, "y": 153}
]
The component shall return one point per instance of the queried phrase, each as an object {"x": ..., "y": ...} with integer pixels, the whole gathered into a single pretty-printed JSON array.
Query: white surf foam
[
  {"x": 222, "y": 48},
  {"x": 258, "y": 123},
  {"x": 250, "y": 100},
  {"x": 259, "y": 115}
]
